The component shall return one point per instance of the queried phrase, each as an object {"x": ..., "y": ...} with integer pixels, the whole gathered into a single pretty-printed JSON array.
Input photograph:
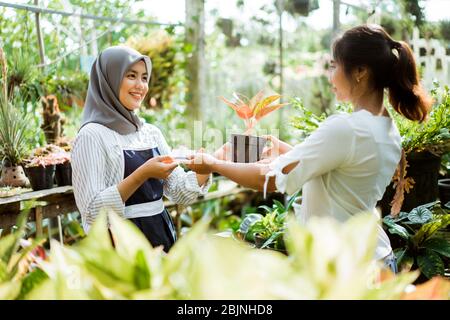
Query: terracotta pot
[
  {"x": 245, "y": 148},
  {"x": 14, "y": 177}
]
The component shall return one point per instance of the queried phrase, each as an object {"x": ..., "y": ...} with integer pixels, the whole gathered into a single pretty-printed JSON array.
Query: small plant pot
[
  {"x": 14, "y": 177},
  {"x": 444, "y": 191},
  {"x": 63, "y": 174},
  {"x": 41, "y": 177},
  {"x": 246, "y": 149}
]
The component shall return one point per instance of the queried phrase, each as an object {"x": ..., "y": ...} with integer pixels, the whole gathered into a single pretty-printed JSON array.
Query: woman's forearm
[
  {"x": 130, "y": 184},
  {"x": 250, "y": 175}
]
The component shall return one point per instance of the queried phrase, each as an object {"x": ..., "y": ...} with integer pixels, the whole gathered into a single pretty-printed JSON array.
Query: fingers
[{"x": 165, "y": 159}]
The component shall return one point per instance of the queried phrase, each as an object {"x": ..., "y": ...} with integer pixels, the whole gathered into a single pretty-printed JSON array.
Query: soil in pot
[
  {"x": 444, "y": 191},
  {"x": 246, "y": 148},
  {"x": 63, "y": 174},
  {"x": 14, "y": 177},
  {"x": 41, "y": 177},
  {"x": 424, "y": 169}
]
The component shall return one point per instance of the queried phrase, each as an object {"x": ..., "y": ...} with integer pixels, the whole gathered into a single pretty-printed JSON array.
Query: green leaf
[
  {"x": 428, "y": 229},
  {"x": 400, "y": 254},
  {"x": 31, "y": 281},
  {"x": 248, "y": 221},
  {"x": 7, "y": 245},
  {"x": 272, "y": 239},
  {"x": 267, "y": 208},
  {"x": 4, "y": 274},
  {"x": 9, "y": 290},
  {"x": 397, "y": 229},
  {"x": 420, "y": 215},
  {"x": 430, "y": 264},
  {"x": 439, "y": 245},
  {"x": 278, "y": 205},
  {"x": 292, "y": 200},
  {"x": 142, "y": 275},
  {"x": 128, "y": 238}
]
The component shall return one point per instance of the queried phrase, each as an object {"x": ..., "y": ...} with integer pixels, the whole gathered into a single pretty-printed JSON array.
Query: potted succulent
[
  {"x": 245, "y": 147},
  {"x": 13, "y": 134},
  {"x": 41, "y": 167}
]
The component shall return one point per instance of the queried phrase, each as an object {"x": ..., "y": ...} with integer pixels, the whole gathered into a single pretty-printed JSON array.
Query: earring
[{"x": 357, "y": 80}]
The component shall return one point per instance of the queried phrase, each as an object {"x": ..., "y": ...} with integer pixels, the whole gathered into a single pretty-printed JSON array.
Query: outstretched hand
[
  {"x": 224, "y": 152},
  {"x": 201, "y": 162}
]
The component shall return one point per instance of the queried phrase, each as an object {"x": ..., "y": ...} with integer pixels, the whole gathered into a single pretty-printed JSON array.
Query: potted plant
[
  {"x": 47, "y": 164},
  {"x": 13, "y": 134},
  {"x": 244, "y": 147},
  {"x": 61, "y": 154},
  {"x": 444, "y": 191},
  {"x": 267, "y": 231},
  {"x": 416, "y": 179},
  {"x": 444, "y": 182},
  {"x": 417, "y": 242}
]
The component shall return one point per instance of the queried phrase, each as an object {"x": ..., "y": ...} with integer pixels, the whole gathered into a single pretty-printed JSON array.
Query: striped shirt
[{"x": 98, "y": 167}]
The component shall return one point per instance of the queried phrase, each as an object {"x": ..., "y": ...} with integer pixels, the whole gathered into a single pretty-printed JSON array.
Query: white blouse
[
  {"x": 98, "y": 167},
  {"x": 344, "y": 168}
]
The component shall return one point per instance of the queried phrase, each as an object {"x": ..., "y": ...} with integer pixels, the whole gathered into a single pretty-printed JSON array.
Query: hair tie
[
  {"x": 395, "y": 53},
  {"x": 395, "y": 46}
]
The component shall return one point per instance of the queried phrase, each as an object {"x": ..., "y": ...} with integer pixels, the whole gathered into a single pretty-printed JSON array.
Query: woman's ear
[{"x": 360, "y": 73}]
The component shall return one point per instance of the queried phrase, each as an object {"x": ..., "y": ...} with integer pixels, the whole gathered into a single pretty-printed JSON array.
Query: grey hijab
[{"x": 102, "y": 101}]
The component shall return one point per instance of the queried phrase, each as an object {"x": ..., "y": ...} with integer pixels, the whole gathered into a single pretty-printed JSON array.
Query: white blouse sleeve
[
  {"x": 89, "y": 157},
  {"x": 181, "y": 187},
  {"x": 325, "y": 149}
]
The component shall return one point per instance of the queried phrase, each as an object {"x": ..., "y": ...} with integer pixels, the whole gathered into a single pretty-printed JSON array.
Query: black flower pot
[
  {"x": 444, "y": 191},
  {"x": 259, "y": 241},
  {"x": 423, "y": 167},
  {"x": 63, "y": 174},
  {"x": 41, "y": 177},
  {"x": 245, "y": 148}
]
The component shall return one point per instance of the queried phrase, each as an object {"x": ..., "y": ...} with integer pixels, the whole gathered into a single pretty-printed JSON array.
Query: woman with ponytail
[{"x": 344, "y": 167}]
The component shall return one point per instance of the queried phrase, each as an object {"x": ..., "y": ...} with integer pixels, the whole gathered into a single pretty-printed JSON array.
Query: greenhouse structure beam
[{"x": 37, "y": 9}]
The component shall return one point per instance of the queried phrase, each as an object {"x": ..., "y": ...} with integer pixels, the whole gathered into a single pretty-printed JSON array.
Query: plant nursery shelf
[{"x": 51, "y": 203}]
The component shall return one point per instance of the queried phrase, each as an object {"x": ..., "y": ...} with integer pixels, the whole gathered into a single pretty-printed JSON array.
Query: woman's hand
[
  {"x": 202, "y": 163},
  {"x": 159, "y": 167},
  {"x": 277, "y": 148},
  {"x": 224, "y": 152}
]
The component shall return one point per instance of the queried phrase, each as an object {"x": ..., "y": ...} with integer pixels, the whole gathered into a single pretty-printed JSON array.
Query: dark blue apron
[{"x": 158, "y": 229}]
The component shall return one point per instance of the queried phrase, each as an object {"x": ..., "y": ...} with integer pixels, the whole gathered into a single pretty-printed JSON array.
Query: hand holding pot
[{"x": 277, "y": 148}]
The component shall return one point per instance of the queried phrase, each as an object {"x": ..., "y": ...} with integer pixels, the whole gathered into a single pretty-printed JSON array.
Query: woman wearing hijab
[{"x": 121, "y": 163}]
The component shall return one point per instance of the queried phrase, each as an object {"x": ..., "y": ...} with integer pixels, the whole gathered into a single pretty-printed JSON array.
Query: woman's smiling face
[{"x": 134, "y": 86}]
